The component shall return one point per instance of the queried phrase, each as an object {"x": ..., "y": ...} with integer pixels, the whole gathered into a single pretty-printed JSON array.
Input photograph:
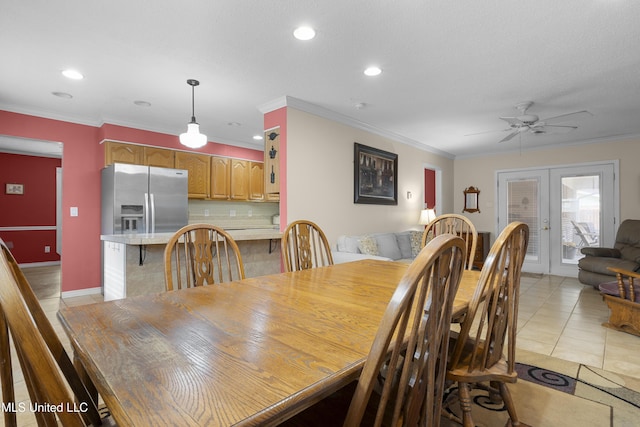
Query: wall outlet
[
  {"x": 47, "y": 249},
  {"x": 206, "y": 212},
  {"x": 250, "y": 213},
  {"x": 232, "y": 212},
  {"x": 73, "y": 210}
]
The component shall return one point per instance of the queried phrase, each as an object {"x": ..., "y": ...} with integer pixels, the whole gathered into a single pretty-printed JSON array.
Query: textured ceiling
[{"x": 450, "y": 68}]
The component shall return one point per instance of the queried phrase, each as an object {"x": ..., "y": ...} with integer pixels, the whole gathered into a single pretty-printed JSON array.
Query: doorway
[{"x": 566, "y": 208}]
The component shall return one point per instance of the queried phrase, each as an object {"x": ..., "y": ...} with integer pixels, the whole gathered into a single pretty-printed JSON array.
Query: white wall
[
  {"x": 320, "y": 178},
  {"x": 481, "y": 172}
]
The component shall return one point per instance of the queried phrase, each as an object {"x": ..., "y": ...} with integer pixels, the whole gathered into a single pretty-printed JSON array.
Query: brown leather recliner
[{"x": 625, "y": 254}]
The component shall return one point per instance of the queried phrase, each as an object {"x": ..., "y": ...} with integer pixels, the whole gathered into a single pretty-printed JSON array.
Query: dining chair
[
  {"x": 454, "y": 224},
  {"x": 304, "y": 245},
  {"x": 416, "y": 322},
  {"x": 201, "y": 254},
  {"x": 484, "y": 349},
  {"x": 48, "y": 372}
]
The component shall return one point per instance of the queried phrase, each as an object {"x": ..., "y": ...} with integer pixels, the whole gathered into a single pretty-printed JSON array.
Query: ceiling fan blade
[
  {"x": 569, "y": 116},
  {"x": 511, "y": 135},
  {"x": 559, "y": 126},
  {"x": 488, "y": 131},
  {"x": 513, "y": 121}
]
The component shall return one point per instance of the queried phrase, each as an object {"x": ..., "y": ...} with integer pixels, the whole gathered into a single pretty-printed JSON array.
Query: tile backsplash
[{"x": 233, "y": 214}]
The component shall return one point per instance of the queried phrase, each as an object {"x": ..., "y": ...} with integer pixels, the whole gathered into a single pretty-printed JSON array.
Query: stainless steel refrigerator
[{"x": 143, "y": 199}]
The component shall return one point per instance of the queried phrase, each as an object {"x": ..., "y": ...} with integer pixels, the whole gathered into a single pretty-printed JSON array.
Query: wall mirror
[{"x": 471, "y": 203}]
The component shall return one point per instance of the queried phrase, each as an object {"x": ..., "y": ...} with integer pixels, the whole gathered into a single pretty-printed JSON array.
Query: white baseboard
[
  {"x": 81, "y": 292},
  {"x": 39, "y": 264}
]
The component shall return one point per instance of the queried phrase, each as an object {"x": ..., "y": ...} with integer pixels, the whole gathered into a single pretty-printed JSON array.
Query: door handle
[
  {"x": 146, "y": 212},
  {"x": 153, "y": 213}
]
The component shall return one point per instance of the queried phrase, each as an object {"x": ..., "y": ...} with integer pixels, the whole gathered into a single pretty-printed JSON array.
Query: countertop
[{"x": 163, "y": 238}]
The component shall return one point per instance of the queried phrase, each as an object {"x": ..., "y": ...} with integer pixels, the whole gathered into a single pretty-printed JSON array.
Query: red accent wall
[
  {"x": 430, "y": 188},
  {"x": 83, "y": 158},
  {"x": 35, "y": 207}
]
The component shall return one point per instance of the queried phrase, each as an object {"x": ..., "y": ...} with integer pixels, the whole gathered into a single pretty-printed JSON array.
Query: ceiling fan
[{"x": 532, "y": 123}]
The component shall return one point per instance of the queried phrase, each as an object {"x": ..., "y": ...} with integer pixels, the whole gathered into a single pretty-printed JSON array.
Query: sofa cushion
[
  {"x": 603, "y": 252},
  {"x": 404, "y": 243},
  {"x": 368, "y": 245},
  {"x": 349, "y": 244},
  {"x": 600, "y": 264},
  {"x": 388, "y": 245}
]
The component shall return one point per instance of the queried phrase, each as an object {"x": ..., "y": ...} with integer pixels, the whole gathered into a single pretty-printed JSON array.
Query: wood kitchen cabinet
[
  {"x": 199, "y": 167},
  {"x": 220, "y": 178},
  {"x": 239, "y": 179},
  {"x": 160, "y": 157},
  {"x": 118, "y": 152},
  {"x": 256, "y": 181}
]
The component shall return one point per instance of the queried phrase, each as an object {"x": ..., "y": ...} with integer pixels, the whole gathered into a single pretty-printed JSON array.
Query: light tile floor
[{"x": 560, "y": 317}]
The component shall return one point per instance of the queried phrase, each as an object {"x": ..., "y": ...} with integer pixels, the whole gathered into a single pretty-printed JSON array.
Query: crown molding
[{"x": 307, "y": 107}]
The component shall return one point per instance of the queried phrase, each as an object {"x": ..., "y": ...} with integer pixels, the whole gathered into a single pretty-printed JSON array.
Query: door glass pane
[
  {"x": 580, "y": 215},
  {"x": 522, "y": 199}
]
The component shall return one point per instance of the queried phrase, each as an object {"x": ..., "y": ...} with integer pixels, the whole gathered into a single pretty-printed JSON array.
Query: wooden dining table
[{"x": 244, "y": 353}]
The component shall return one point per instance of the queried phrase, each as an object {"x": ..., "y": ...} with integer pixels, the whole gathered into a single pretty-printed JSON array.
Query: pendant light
[{"x": 192, "y": 138}]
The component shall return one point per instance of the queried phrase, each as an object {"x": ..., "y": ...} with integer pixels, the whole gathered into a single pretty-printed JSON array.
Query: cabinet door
[
  {"x": 199, "y": 167},
  {"x": 256, "y": 181},
  {"x": 220, "y": 178},
  {"x": 239, "y": 179},
  {"x": 159, "y": 157},
  {"x": 117, "y": 152}
]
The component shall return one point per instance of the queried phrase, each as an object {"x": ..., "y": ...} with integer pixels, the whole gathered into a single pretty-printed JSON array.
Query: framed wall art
[
  {"x": 375, "y": 176},
  {"x": 14, "y": 189}
]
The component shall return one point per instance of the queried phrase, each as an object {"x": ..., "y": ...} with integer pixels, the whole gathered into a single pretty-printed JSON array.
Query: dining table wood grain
[{"x": 244, "y": 353}]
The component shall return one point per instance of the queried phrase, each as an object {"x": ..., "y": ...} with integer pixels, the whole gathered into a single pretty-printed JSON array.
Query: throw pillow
[
  {"x": 368, "y": 245},
  {"x": 416, "y": 242},
  {"x": 388, "y": 246},
  {"x": 348, "y": 244},
  {"x": 404, "y": 243}
]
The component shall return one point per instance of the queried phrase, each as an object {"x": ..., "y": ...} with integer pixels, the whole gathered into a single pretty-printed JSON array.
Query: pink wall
[
  {"x": 273, "y": 119},
  {"x": 36, "y": 207},
  {"x": 83, "y": 158}
]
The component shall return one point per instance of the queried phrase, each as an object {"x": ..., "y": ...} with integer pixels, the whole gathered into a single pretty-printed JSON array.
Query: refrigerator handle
[
  {"x": 153, "y": 213},
  {"x": 146, "y": 212}
]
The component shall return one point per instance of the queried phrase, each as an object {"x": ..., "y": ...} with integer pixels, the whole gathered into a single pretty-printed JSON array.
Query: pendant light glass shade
[{"x": 192, "y": 138}]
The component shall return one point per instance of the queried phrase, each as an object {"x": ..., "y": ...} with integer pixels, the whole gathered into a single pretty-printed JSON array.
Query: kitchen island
[{"x": 133, "y": 264}]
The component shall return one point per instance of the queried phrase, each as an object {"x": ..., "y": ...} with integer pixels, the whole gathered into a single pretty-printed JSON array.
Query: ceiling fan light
[{"x": 192, "y": 138}]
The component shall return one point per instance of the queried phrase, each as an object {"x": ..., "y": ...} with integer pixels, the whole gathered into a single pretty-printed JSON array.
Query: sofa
[
  {"x": 625, "y": 254},
  {"x": 401, "y": 246}
]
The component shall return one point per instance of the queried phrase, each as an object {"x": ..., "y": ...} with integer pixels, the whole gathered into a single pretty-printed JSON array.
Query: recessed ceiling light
[
  {"x": 62, "y": 95},
  {"x": 304, "y": 33},
  {"x": 236, "y": 124},
  {"x": 73, "y": 74},
  {"x": 142, "y": 103},
  {"x": 373, "y": 71},
  {"x": 257, "y": 137}
]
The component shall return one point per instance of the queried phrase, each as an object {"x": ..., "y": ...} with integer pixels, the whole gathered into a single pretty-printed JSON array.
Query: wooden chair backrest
[
  {"x": 47, "y": 369},
  {"x": 416, "y": 322},
  {"x": 201, "y": 254},
  {"x": 494, "y": 305},
  {"x": 304, "y": 245},
  {"x": 458, "y": 225}
]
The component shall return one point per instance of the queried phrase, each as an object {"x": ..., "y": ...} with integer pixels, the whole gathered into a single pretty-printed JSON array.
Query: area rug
[{"x": 555, "y": 392}]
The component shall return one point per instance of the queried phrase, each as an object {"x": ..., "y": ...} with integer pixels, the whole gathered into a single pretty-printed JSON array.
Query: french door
[{"x": 566, "y": 209}]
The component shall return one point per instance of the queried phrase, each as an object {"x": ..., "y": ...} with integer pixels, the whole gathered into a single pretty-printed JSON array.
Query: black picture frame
[{"x": 375, "y": 176}]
